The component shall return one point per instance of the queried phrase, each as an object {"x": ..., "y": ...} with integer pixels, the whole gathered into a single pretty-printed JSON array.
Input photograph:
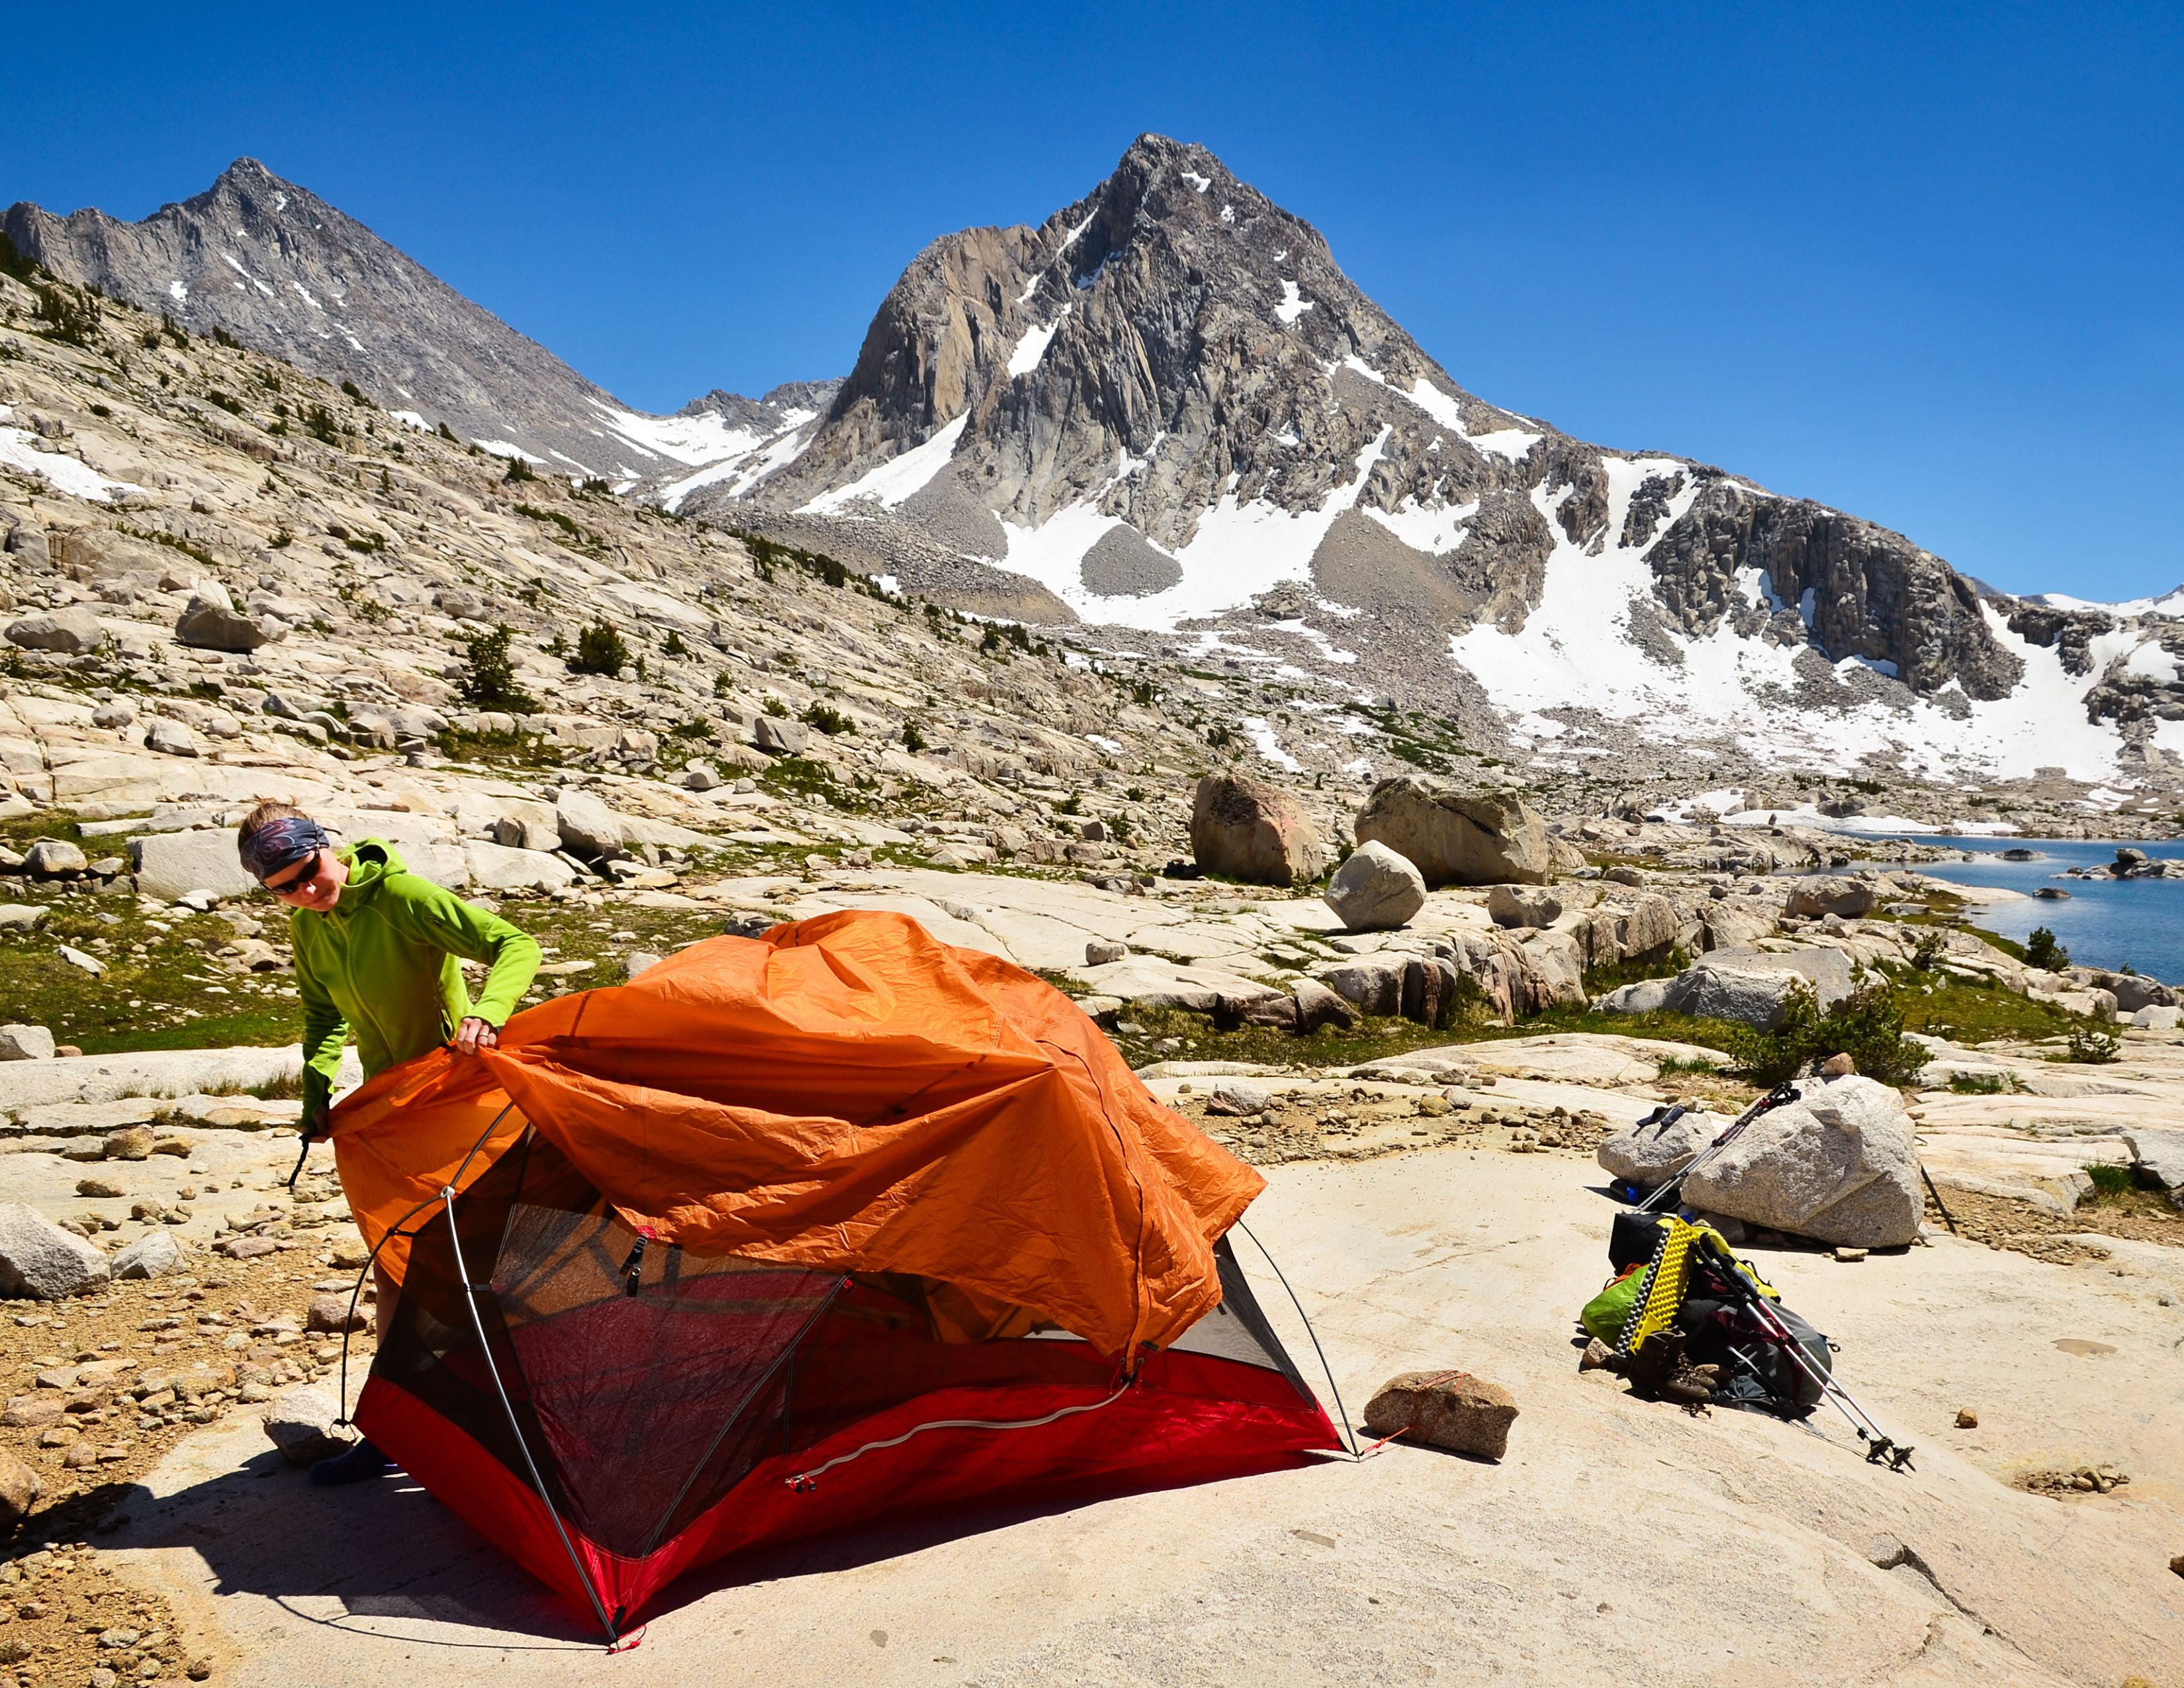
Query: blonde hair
[{"x": 268, "y": 811}]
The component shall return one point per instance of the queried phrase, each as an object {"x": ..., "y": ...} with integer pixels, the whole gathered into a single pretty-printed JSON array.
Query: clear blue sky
[{"x": 1919, "y": 263}]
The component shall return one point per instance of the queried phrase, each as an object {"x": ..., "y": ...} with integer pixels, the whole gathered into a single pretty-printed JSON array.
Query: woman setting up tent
[{"x": 378, "y": 952}]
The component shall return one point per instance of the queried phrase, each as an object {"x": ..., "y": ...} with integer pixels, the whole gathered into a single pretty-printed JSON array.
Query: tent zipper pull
[{"x": 633, "y": 1268}]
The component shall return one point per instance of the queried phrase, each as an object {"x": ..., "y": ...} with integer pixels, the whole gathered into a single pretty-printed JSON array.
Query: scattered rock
[
  {"x": 1838, "y": 1067},
  {"x": 778, "y": 737},
  {"x": 23, "y": 916},
  {"x": 1235, "y": 1098},
  {"x": 1491, "y": 838},
  {"x": 131, "y": 1143},
  {"x": 701, "y": 777},
  {"x": 1848, "y": 1254},
  {"x": 1375, "y": 890},
  {"x": 1846, "y": 898},
  {"x": 300, "y": 1423},
  {"x": 1598, "y": 1355},
  {"x": 79, "y": 958},
  {"x": 98, "y": 1190},
  {"x": 637, "y": 961},
  {"x": 54, "y": 859},
  {"x": 1524, "y": 906},
  {"x": 1098, "y": 952},
  {"x": 70, "y": 632},
  {"x": 26, "y": 1042},
  {"x": 172, "y": 738},
  {"x": 41, "y": 1261},
  {"x": 330, "y": 1312},
  {"x": 588, "y": 829},
  {"x": 1838, "y": 1166},
  {"x": 1316, "y": 1007},
  {"x": 1249, "y": 830},
  {"x": 20, "y": 1489},
  {"x": 210, "y": 622},
  {"x": 1967, "y": 1419},
  {"x": 157, "y": 1255},
  {"x": 1451, "y": 1410}
]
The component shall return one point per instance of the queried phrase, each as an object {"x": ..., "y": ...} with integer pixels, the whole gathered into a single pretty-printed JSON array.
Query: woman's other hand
[{"x": 475, "y": 1034}]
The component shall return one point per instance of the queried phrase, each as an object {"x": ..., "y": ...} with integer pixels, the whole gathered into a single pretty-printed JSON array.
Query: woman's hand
[{"x": 475, "y": 1034}]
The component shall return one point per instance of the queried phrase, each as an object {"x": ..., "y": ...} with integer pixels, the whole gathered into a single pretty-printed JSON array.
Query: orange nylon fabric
[{"x": 846, "y": 1093}]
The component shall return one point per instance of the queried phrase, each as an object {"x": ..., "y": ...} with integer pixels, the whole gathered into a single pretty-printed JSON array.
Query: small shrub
[
  {"x": 594, "y": 485},
  {"x": 2092, "y": 1048},
  {"x": 599, "y": 651},
  {"x": 1929, "y": 953},
  {"x": 828, "y": 720},
  {"x": 319, "y": 423},
  {"x": 519, "y": 471},
  {"x": 70, "y": 316},
  {"x": 356, "y": 393},
  {"x": 1867, "y": 1026},
  {"x": 1979, "y": 1084},
  {"x": 2043, "y": 952},
  {"x": 1676, "y": 1064},
  {"x": 672, "y": 645},
  {"x": 774, "y": 707},
  {"x": 912, "y": 740},
  {"x": 697, "y": 726},
  {"x": 722, "y": 685},
  {"x": 226, "y": 339},
  {"x": 226, "y": 402},
  {"x": 487, "y": 680},
  {"x": 447, "y": 434},
  {"x": 2109, "y": 1181}
]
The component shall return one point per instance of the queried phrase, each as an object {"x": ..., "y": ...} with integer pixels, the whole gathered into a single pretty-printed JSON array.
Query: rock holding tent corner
[
  {"x": 301, "y": 1423},
  {"x": 1451, "y": 1410},
  {"x": 1839, "y": 1167}
]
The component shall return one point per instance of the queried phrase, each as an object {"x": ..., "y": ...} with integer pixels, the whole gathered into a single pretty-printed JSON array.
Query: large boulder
[
  {"x": 210, "y": 622},
  {"x": 160, "y": 1254},
  {"x": 170, "y": 866},
  {"x": 778, "y": 736},
  {"x": 1454, "y": 840},
  {"x": 1522, "y": 905},
  {"x": 1554, "y": 969},
  {"x": 1160, "y": 984},
  {"x": 1750, "y": 987},
  {"x": 26, "y": 1043},
  {"x": 2158, "y": 1153},
  {"x": 588, "y": 829},
  {"x": 1375, "y": 890},
  {"x": 1649, "y": 1156},
  {"x": 1847, "y": 898},
  {"x": 496, "y": 867},
  {"x": 524, "y": 824},
  {"x": 1649, "y": 927},
  {"x": 70, "y": 632},
  {"x": 1841, "y": 1166},
  {"x": 1374, "y": 984},
  {"x": 54, "y": 859},
  {"x": 1250, "y": 830},
  {"x": 40, "y": 1261}
]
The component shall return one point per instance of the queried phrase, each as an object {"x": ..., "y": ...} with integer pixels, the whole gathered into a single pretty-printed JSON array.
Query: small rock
[
  {"x": 20, "y": 1489},
  {"x": 701, "y": 777},
  {"x": 172, "y": 738},
  {"x": 1967, "y": 1419},
  {"x": 53, "y": 858},
  {"x": 98, "y": 1189},
  {"x": 300, "y": 1423},
  {"x": 1597, "y": 1354},
  {"x": 330, "y": 1312},
  {"x": 158, "y": 1256},
  {"x": 637, "y": 961},
  {"x": 41, "y": 1261},
  {"x": 76, "y": 958},
  {"x": 1838, "y": 1067},
  {"x": 1451, "y": 1410},
  {"x": 1846, "y": 1253},
  {"x": 1521, "y": 905},
  {"x": 70, "y": 632},
  {"x": 210, "y": 622},
  {"x": 131, "y": 1143},
  {"x": 114, "y": 714},
  {"x": 1098, "y": 952},
  {"x": 23, "y": 916},
  {"x": 32, "y": 1412},
  {"x": 26, "y": 1042},
  {"x": 1235, "y": 1098}
]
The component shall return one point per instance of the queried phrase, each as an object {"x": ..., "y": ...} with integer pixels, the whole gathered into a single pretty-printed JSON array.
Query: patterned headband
[{"x": 279, "y": 844}]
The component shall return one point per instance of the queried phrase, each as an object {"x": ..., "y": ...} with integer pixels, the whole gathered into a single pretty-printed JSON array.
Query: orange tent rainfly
[{"x": 789, "y": 1232}]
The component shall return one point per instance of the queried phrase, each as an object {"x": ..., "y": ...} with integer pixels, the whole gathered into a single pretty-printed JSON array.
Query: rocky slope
[
  {"x": 1166, "y": 407},
  {"x": 283, "y": 272}
]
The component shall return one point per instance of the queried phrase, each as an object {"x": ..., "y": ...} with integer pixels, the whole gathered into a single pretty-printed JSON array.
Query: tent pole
[
  {"x": 1334, "y": 1388},
  {"x": 471, "y": 1292}
]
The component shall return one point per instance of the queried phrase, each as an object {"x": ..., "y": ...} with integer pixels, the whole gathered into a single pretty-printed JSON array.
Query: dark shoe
[{"x": 360, "y": 1464}]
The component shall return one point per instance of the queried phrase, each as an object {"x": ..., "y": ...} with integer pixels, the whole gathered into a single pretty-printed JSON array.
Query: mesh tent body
[{"x": 769, "y": 1240}]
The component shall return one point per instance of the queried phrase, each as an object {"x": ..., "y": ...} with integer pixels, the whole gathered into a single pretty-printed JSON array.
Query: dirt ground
[{"x": 173, "y": 1355}]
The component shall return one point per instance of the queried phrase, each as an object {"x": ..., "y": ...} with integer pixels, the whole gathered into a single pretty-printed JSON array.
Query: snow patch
[
  {"x": 414, "y": 419},
  {"x": 1435, "y": 532},
  {"x": 1199, "y": 183},
  {"x": 1294, "y": 305},
  {"x": 177, "y": 292},
  {"x": 896, "y": 480},
  {"x": 1261, "y": 735},
  {"x": 70, "y": 475},
  {"x": 1032, "y": 347}
]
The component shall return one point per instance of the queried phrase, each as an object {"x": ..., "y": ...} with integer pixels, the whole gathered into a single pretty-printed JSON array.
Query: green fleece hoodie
[{"x": 383, "y": 962}]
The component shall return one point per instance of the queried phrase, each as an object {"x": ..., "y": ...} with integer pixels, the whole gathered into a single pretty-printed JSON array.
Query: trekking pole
[
  {"x": 1937, "y": 1195},
  {"x": 1782, "y": 1092},
  {"x": 1879, "y": 1446}
]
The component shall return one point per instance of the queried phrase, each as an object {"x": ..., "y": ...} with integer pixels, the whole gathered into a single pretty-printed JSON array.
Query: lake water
[{"x": 2105, "y": 923}]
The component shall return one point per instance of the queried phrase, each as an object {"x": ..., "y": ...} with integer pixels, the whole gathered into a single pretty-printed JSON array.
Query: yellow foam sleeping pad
[{"x": 1661, "y": 1294}]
